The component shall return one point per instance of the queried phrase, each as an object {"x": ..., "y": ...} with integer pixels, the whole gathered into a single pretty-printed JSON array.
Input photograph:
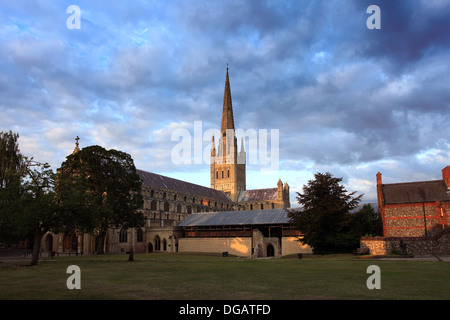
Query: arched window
[
  {"x": 157, "y": 243},
  {"x": 179, "y": 208},
  {"x": 140, "y": 235},
  {"x": 153, "y": 205},
  {"x": 270, "y": 251},
  {"x": 166, "y": 206},
  {"x": 123, "y": 235},
  {"x": 222, "y": 173},
  {"x": 228, "y": 173},
  {"x": 152, "y": 193},
  {"x": 164, "y": 244}
]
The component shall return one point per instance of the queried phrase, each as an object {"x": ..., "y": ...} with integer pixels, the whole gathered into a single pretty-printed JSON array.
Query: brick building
[
  {"x": 416, "y": 217},
  {"x": 414, "y": 209}
]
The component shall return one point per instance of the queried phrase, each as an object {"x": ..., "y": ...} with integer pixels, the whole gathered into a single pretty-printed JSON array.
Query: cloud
[{"x": 345, "y": 98}]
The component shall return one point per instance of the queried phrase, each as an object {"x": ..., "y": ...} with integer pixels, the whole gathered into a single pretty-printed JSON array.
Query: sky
[{"x": 344, "y": 98}]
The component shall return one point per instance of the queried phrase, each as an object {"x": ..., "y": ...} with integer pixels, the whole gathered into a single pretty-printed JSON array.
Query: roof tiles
[
  {"x": 259, "y": 195},
  {"x": 415, "y": 192},
  {"x": 163, "y": 182},
  {"x": 248, "y": 217}
]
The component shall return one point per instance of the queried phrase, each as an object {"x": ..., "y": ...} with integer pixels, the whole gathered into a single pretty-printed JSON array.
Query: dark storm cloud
[
  {"x": 412, "y": 31},
  {"x": 370, "y": 98}
]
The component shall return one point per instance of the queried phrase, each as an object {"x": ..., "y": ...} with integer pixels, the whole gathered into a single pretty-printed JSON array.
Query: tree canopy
[
  {"x": 103, "y": 188},
  {"x": 28, "y": 208},
  {"x": 94, "y": 189},
  {"x": 329, "y": 219}
]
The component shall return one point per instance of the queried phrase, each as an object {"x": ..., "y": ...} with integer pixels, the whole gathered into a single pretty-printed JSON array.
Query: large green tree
[
  {"x": 28, "y": 208},
  {"x": 364, "y": 222},
  {"x": 324, "y": 218},
  {"x": 102, "y": 186}
]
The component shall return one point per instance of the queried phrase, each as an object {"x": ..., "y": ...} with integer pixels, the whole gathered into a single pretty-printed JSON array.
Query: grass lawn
[{"x": 213, "y": 277}]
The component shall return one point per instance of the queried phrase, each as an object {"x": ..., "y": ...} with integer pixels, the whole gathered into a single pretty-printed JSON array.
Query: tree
[
  {"x": 365, "y": 222},
  {"x": 11, "y": 160},
  {"x": 103, "y": 187},
  {"x": 12, "y": 168},
  {"x": 323, "y": 220},
  {"x": 36, "y": 211},
  {"x": 28, "y": 208}
]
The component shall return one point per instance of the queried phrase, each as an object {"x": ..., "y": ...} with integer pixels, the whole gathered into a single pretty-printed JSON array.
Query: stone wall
[
  {"x": 236, "y": 246},
  {"x": 291, "y": 245},
  {"x": 438, "y": 244},
  {"x": 261, "y": 243},
  {"x": 242, "y": 246}
]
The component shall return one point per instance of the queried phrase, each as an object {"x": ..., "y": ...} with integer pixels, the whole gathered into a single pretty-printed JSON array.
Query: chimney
[
  {"x": 379, "y": 178},
  {"x": 446, "y": 176},
  {"x": 380, "y": 199}
]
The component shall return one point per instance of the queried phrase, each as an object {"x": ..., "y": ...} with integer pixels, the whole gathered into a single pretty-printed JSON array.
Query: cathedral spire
[
  {"x": 227, "y": 165},
  {"x": 227, "y": 112}
]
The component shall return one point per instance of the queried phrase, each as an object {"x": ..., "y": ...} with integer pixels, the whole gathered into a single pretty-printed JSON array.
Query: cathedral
[{"x": 174, "y": 209}]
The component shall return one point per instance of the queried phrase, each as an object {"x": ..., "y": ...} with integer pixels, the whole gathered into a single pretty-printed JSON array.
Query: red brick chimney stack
[
  {"x": 446, "y": 176},
  {"x": 380, "y": 199},
  {"x": 379, "y": 178}
]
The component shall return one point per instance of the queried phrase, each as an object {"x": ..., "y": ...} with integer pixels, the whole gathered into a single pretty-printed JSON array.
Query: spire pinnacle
[
  {"x": 213, "y": 144},
  {"x": 213, "y": 147}
]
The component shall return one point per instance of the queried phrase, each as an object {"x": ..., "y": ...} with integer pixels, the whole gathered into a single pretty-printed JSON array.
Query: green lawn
[{"x": 206, "y": 277}]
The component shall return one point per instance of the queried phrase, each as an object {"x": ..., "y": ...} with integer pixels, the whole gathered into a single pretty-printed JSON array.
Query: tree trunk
[
  {"x": 131, "y": 256},
  {"x": 36, "y": 248}
]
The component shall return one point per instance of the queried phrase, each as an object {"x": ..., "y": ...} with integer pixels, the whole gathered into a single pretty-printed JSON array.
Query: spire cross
[{"x": 77, "y": 138}]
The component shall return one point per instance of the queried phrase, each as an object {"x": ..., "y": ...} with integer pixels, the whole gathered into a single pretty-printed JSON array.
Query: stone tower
[{"x": 227, "y": 164}]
